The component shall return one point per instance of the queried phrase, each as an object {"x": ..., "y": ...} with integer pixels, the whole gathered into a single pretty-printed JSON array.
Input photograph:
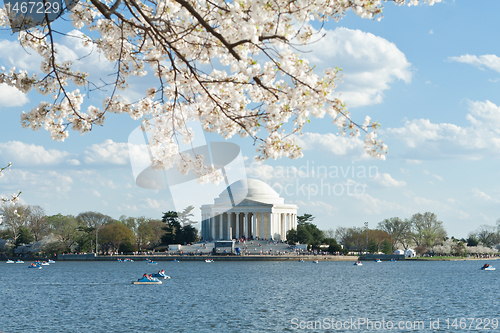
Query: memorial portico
[{"x": 261, "y": 214}]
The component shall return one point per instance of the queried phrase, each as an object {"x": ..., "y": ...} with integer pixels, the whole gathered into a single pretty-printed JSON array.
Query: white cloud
[
  {"x": 476, "y": 193},
  {"x": 11, "y": 96},
  {"x": 386, "y": 180},
  {"x": 490, "y": 61},
  {"x": 411, "y": 162},
  {"x": 40, "y": 183},
  {"x": 107, "y": 152},
  {"x": 372, "y": 205},
  {"x": 318, "y": 205},
  {"x": 12, "y": 54},
  {"x": 332, "y": 144},
  {"x": 369, "y": 64},
  {"x": 444, "y": 139},
  {"x": 30, "y": 154},
  {"x": 73, "y": 162},
  {"x": 152, "y": 203}
]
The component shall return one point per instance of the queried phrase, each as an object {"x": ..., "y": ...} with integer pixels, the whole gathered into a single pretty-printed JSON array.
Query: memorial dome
[{"x": 251, "y": 189}]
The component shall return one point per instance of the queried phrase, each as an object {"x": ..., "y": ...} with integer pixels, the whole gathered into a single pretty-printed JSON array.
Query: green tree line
[{"x": 93, "y": 231}]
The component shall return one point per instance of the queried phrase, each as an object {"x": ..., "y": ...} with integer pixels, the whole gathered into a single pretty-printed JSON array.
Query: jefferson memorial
[{"x": 260, "y": 213}]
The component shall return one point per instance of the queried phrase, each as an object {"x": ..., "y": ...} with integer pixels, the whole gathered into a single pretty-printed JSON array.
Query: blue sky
[{"x": 429, "y": 74}]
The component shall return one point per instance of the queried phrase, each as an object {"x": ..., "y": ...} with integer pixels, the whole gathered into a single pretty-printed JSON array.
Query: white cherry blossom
[{"x": 257, "y": 85}]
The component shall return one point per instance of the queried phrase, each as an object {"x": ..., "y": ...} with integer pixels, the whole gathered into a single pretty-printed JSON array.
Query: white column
[
  {"x": 271, "y": 231},
  {"x": 229, "y": 236},
  {"x": 212, "y": 226},
  {"x": 245, "y": 225},
  {"x": 220, "y": 226},
  {"x": 237, "y": 226},
  {"x": 262, "y": 225},
  {"x": 254, "y": 225}
]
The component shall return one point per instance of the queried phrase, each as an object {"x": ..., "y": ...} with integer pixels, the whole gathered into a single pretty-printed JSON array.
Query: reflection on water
[{"x": 241, "y": 296}]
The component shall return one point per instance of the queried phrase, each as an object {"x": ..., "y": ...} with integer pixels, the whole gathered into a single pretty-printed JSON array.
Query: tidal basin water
[{"x": 250, "y": 297}]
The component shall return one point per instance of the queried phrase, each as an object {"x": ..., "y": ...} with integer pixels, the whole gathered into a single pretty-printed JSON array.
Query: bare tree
[{"x": 37, "y": 222}]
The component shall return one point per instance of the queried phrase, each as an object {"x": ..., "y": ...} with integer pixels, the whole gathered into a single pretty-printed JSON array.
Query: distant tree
[
  {"x": 56, "y": 248},
  {"x": 14, "y": 217},
  {"x": 304, "y": 218},
  {"x": 175, "y": 232},
  {"x": 6, "y": 234},
  {"x": 399, "y": 231},
  {"x": 353, "y": 239},
  {"x": 427, "y": 230},
  {"x": 333, "y": 246},
  {"x": 172, "y": 228},
  {"x": 386, "y": 247},
  {"x": 149, "y": 232},
  {"x": 189, "y": 234},
  {"x": 25, "y": 236},
  {"x": 92, "y": 221},
  {"x": 330, "y": 233},
  {"x": 487, "y": 235},
  {"x": 114, "y": 234},
  {"x": 472, "y": 240},
  {"x": 65, "y": 227},
  {"x": 37, "y": 222},
  {"x": 291, "y": 237},
  {"x": 372, "y": 246}
]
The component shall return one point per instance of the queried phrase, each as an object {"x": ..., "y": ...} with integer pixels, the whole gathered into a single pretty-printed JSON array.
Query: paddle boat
[
  {"x": 161, "y": 275},
  {"x": 119, "y": 260},
  {"x": 315, "y": 261},
  {"x": 393, "y": 260},
  {"x": 51, "y": 261},
  {"x": 9, "y": 261},
  {"x": 358, "y": 263},
  {"x": 44, "y": 263},
  {"x": 378, "y": 260},
  {"x": 301, "y": 260},
  {"x": 128, "y": 260},
  {"x": 488, "y": 267},
  {"x": 19, "y": 261},
  {"x": 209, "y": 260},
  {"x": 152, "y": 262},
  {"x": 175, "y": 260},
  {"x": 32, "y": 265},
  {"x": 146, "y": 280}
]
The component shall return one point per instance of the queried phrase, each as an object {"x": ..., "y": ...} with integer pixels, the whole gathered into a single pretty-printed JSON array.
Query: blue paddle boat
[
  {"x": 146, "y": 280},
  {"x": 161, "y": 275}
]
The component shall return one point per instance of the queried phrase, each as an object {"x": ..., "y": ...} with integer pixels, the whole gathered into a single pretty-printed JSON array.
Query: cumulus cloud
[
  {"x": 332, "y": 144},
  {"x": 369, "y": 64},
  {"x": 386, "y": 180},
  {"x": 12, "y": 54},
  {"x": 11, "y": 96},
  {"x": 24, "y": 154},
  {"x": 108, "y": 152},
  {"x": 477, "y": 193},
  {"x": 444, "y": 139},
  {"x": 40, "y": 183},
  {"x": 490, "y": 61}
]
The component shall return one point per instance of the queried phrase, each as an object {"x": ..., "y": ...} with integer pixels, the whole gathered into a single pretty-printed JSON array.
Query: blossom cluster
[
  {"x": 230, "y": 65},
  {"x": 14, "y": 197}
]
